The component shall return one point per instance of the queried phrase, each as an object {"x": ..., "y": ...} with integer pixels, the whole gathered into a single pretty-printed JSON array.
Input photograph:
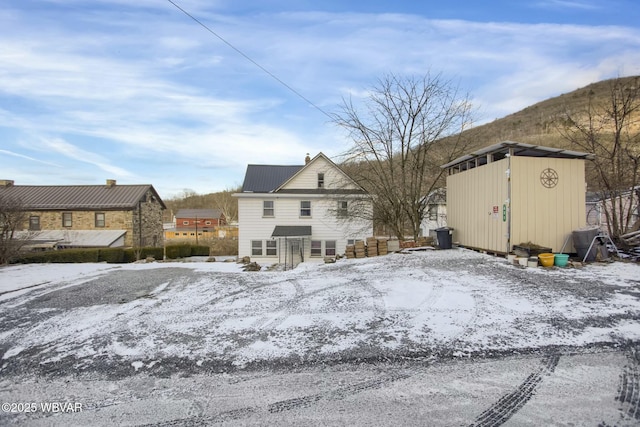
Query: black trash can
[{"x": 445, "y": 239}]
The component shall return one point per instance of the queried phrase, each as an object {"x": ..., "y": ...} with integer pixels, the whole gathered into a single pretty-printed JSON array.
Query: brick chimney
[
  {"x": 307, "y": 159},
  {"x": 6, "y": 183},
  {"x": 111, "y": 183}
]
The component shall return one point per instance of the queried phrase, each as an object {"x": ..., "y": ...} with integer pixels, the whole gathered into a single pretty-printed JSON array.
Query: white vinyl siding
[
  {"x": 333, "y": 177},
  {"x": 325, "y": 226}
]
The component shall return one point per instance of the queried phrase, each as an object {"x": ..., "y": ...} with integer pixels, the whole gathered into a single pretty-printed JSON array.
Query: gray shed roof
[
  {"x": 501, "y": 149},
  {"x": 79, "y": 197},
  {"x": 199, "y": 213},
  {"x": 291, "y": 231},
  {"x": 267, "y": 178}
]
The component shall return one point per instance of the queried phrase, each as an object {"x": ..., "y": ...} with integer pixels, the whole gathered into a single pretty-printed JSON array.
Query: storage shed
[{"x": 511, "y": 193}]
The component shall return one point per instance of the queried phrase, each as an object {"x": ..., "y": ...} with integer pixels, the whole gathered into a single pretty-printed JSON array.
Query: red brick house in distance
[{"x": 196, "y": 224}]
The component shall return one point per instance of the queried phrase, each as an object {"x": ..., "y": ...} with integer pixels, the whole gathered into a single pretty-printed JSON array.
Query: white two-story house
[{"x": 292, "y": 214}]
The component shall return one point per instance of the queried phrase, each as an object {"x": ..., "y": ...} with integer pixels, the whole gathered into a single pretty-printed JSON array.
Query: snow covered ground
[
  {"x": 163, "y": 315},
  {"x": 427, "y": 338}
]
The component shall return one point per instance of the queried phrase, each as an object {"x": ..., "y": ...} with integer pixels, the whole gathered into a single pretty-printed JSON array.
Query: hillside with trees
[{"x": 602, "y": 118}]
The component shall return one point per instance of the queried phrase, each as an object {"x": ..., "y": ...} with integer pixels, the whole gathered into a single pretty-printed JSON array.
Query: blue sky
[{"x": 138, "y": 92}]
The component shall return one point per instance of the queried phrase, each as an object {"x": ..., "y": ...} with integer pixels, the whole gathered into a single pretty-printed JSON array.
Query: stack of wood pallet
[
  {"x": 360, "y": 249},
  {"x": 383, "y": 248},
  {"x": 425, "y": 241},
  {"x": 350, "y": 251},
  {"x": 372, "y": 246}
]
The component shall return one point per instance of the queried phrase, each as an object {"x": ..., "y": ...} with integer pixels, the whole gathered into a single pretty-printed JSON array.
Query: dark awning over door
[{"x": 291, "y": 231}]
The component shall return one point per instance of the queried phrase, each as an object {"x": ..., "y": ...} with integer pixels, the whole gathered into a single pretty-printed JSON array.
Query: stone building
[{"x": 77, "y": 215}]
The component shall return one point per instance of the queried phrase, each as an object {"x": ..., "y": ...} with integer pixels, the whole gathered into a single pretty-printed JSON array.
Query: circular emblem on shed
[{"x": 549, "y": 178}]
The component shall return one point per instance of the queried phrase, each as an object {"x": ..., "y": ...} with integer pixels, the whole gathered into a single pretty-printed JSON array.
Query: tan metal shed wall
[
  {"x": 546, "y": 216},
  {"x": 471, "y": 197}
]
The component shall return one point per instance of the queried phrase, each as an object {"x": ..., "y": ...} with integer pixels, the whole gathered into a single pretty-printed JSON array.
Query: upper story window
[
  {"x": 34, "y": 222},
  {"x": 66, "y": 219},
  {"x": 185, "y": 222},
  {"x": 100, "y": 219},
  {"x": 207, "y": 223},
  {"x": 305, "y": 208},
  {"x": 267, "y": 208},
  {"x": 342, "y": 209},
  {"x": 321, "y": 180}
]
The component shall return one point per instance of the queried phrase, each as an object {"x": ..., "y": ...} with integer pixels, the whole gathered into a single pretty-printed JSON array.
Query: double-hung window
[
  {"x": 305, "y": 208},
  {"x": 316, "y": 248},
  {"x": 342, "y": 209},
  {"x": 34, "y": 222},
  {"x": 66, "y": 219},
  {"x": 321, "y": 180},
  {"x": 267, "y": 208},
  {"x": 330, "y": 248},
  {"x": 256, "y": 247},
  {"x": 272, "y": 247},
  {"x": 100, "y": 219}
]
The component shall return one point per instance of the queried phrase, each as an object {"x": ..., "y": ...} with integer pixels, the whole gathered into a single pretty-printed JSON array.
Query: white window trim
[
  {"x": 273, "y": 209},
  {"x": 309, "y": 209}
]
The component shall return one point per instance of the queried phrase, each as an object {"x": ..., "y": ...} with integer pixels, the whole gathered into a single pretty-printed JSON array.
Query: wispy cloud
[
  {"x": 31, "y": 159},
  {"x": 566, "y": 4},
  {"x": 136, "y": 85},
  {"x": 69, "y": 150}
]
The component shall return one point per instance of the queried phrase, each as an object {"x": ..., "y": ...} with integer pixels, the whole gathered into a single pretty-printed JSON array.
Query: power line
[{"x": 249, "y": 59}]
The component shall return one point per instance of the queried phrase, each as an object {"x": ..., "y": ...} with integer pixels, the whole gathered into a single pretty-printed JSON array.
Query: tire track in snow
[
  {"x": 377, "y": 297},
  {"x": 336, "y": 394},
  {"x": 512, "y": 402},
  {"x": 629, "y": 389},
  {"x": 286, "y": 309},
  {"x": 292, "y": 404}
]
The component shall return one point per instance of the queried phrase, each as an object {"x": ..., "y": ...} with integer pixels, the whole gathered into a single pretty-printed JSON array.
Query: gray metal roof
[
  {"x": 501, "y": 149},
  {"x": 267, "y": 178},
  {"x": 291, "y": 231},
  {"x": 79, "y": 197},
  {"x": 199, "y": 213}
]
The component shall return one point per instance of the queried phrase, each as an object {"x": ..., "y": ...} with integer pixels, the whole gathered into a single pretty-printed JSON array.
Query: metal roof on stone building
[{"x": 79, "y": 197}]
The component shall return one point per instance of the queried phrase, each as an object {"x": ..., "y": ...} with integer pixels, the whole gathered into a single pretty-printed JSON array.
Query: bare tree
[
  {"x": 12, "y": 220},
  {"x": 609, "y": 128},
  {"x": 407, "y": 128},
  {"x": 228, "y": 204}
]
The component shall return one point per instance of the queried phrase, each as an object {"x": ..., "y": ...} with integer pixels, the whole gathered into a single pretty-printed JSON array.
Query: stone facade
[
  {"x": 147, "y": 223},
  {"x": 143, "y": 224}
]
